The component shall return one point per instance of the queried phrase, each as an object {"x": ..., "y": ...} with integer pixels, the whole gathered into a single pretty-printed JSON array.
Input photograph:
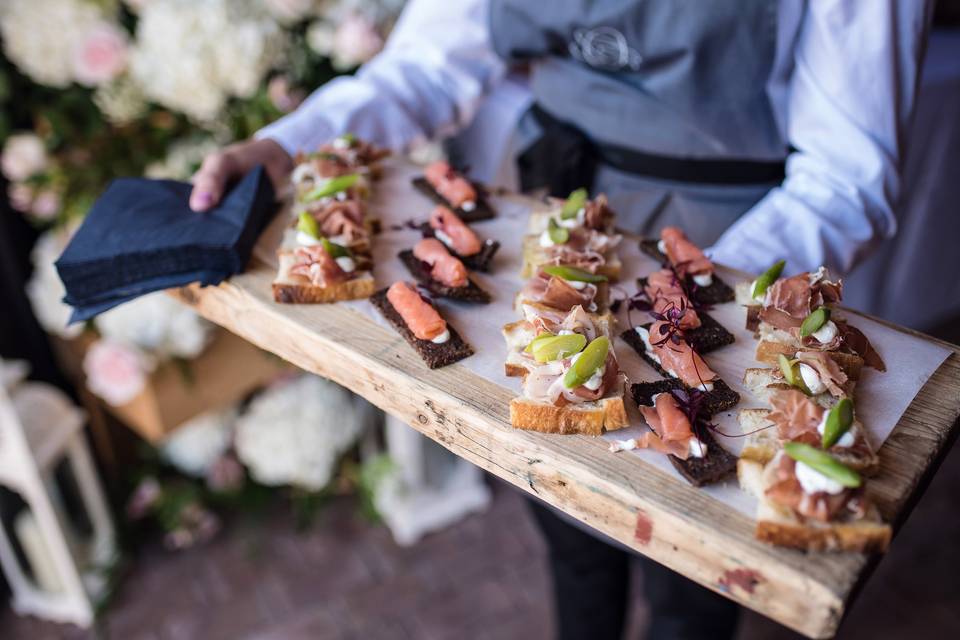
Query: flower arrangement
[{"x": 94, "y": 89}]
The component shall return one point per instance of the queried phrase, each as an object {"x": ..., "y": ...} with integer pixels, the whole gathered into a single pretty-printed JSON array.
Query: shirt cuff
[{"x": 296, "y": 132}]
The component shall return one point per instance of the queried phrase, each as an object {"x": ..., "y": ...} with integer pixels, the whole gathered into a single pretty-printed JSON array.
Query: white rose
[
  {"x": 23, "y": 156},
  {"x": 290, "y": 11},
  {"x": 115, "y": 371}
]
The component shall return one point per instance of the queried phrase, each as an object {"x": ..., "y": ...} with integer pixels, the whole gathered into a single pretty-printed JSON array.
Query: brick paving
[{"x": 483, "y": 579}]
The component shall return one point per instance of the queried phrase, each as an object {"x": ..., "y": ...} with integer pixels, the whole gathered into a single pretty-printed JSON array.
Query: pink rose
[
  {"x": 355, "y": 41},
  {"x": 115, "y": 372},
  {"x": 46, "y": 205},
  {"x": 101, "y": 56},
  {"x": 282, "y": 95},
  {"x": 20, "y": 195}
]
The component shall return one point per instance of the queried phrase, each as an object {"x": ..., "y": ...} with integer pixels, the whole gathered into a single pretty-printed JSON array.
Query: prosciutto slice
[
  {"x": 826, "y": 367},
  {"x": 786, "y": 491},
  {"x": 796, "y": 416},
  {"x": 558, "y": 293},
  {"x": 790, "y": 300},
  {"x": 576, "y": 321},
  {"x": 317, "y": 265}
]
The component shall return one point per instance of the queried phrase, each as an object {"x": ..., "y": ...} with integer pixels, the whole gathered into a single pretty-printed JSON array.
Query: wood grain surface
[{"x": 621, "y": 496}]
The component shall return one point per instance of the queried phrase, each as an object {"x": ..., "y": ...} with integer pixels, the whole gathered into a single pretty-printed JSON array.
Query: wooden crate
[{"x": 229, "y": 369}]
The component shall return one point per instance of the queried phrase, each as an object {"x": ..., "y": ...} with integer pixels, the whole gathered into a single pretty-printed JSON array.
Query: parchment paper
[{"x": 881, "y": 397}]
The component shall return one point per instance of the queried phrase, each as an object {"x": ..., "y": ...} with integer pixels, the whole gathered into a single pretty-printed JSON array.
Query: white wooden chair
[{"x": 40, "y": 427}]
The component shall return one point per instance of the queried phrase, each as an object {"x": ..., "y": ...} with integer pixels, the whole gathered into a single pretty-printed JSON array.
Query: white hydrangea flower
[
  {"x": 23, "y": 156},
  {"x": 193, "y": 55},
  {"x": 294, "y": 433},
  {"x": 199, "y": 442},
  {"x": 121, "y": 101},
  {"x": 45, "y": 289},
  {"x": 290, "y": 11},
  {"x": 159, "y": 324},
  {"x": 116, "y": 371},
  {"x": 183, "y": 157},
  {"x": 42, "y": 36}
]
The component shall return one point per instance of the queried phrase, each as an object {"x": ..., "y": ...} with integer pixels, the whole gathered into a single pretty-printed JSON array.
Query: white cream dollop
[
  {"x": 577, "y": 284},
  {"x": 341, "y": 143},
  {"x": 468, "y": 206},
  {"x": 441, "y": 338},
  {"x": 306, "y": 240},
  {"x": 826, "y": 333},
  {"x": 442, "y": 237},
  {"x": 697, "y": 448},
  {"x": 546, "y": 240},
  {"x": 703, "y": 279},
  {"x": 347, "y": 264},
  {"x": 812, "y": 379},
  {"x": 623, "y": 445},
  {"x": 812, "y": 481},
  {"x": 662, "y": 247},
  {"x": 846, "y": 440}
]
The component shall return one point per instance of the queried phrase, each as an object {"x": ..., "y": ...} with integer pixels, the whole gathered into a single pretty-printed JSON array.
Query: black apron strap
[{"x": 564, "y": 159}]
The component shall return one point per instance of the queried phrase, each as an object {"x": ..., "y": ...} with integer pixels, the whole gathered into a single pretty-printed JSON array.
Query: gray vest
[{"x": 680, "y": 78}]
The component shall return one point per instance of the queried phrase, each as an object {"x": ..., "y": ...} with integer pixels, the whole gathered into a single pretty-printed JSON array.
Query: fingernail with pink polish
[{"x": 202, "y": 199}]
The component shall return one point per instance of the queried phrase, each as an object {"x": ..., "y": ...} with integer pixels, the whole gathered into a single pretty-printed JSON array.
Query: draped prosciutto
[
  {"x": 420, "y": 317},
  {"x": 556, "y": 292},
  {"x": 789, "y": 300},
  {"x": 318, "y": 266},
  {"x": 685, "y": 257},
  {"x": 453, "y": 232},
  {"x": 454, "y": 188},
  {"x": 586, "y": 249},
  {"x": 681, "y": 360},
  {"x": 544, "y": 382},
  {"x": 787, "y": 492},
  {"x": 597, "y": 215},
  {"x": 826, "y": 367},
  {"x": 556, "y": 322},
  {"x": 665, "y": 292},
  {"x": 796, "y": 416},
  {"x": 342, "y": 220},
  {"x": 672, "y": 432},
  {"x": 444, "y": 267},
  {"x": 343, "y": 156}
]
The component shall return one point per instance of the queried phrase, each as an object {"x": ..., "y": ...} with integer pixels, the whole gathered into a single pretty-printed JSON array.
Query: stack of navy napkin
[{"x": 141, "y": 236}]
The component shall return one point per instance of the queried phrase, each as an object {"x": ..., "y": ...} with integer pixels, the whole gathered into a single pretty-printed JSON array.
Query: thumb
[{"x": 210, "y": 180}]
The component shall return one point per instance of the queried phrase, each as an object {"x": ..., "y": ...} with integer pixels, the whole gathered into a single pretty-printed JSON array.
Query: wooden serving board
[{"x": 622, "y": 496}]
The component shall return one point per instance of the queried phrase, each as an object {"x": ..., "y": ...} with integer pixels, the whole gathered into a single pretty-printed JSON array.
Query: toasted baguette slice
[
  {"x": 534, "y": 256},
  {"x": 588, "y": 418},
  {"x": 768, "y": 351},
  {"x": 782, "y": 527},
  {"x": 295, "y": 289},
  {"x": 763, "y": 383},
  {"x": 763, "y": 443}
]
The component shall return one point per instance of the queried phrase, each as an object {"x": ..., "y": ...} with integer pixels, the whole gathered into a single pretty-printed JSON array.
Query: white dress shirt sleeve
[
  {"x": 428, "y": 81},
  {"x": 851, "y": 92}
]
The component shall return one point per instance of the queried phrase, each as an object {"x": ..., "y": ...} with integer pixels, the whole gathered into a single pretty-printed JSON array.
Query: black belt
[{"x": 564, "y": 159}]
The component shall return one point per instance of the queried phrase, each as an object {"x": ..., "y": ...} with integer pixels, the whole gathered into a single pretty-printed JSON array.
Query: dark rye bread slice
[
  {"x": 709, "y": 336},
  {"x": 717, "y": 293},
  {"x": 713, "y": 467},
  {"x": 421, "y": 271},
  {"x": 483, "y": 210},
  {"x": 720, "y": 398},
  {"x": 477, "y": 262},
  {"x": 434, "y": 355}
]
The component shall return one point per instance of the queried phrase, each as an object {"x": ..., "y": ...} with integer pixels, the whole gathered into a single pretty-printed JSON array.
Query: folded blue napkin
[{"x": 141, "y": 236}]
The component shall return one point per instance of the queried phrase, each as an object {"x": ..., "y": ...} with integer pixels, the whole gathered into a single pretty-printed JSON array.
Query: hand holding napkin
[{"x": 141, "y": 236}]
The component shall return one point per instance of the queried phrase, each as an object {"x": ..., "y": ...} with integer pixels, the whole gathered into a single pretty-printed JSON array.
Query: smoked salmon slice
[
  {"x": 458, "y": 235},
  {"x": 680, "y": 359},
  {"x": 444, "y": 267},
  {"x": 664, "y": 292},
  {"x": 420, "y": 317},
  {"x": 686, "y": 257},
  {"x": 454, "y": 188}
]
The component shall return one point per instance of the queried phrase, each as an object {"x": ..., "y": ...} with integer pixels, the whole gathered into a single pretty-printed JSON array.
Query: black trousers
[{"x": 591, "y": 584}]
